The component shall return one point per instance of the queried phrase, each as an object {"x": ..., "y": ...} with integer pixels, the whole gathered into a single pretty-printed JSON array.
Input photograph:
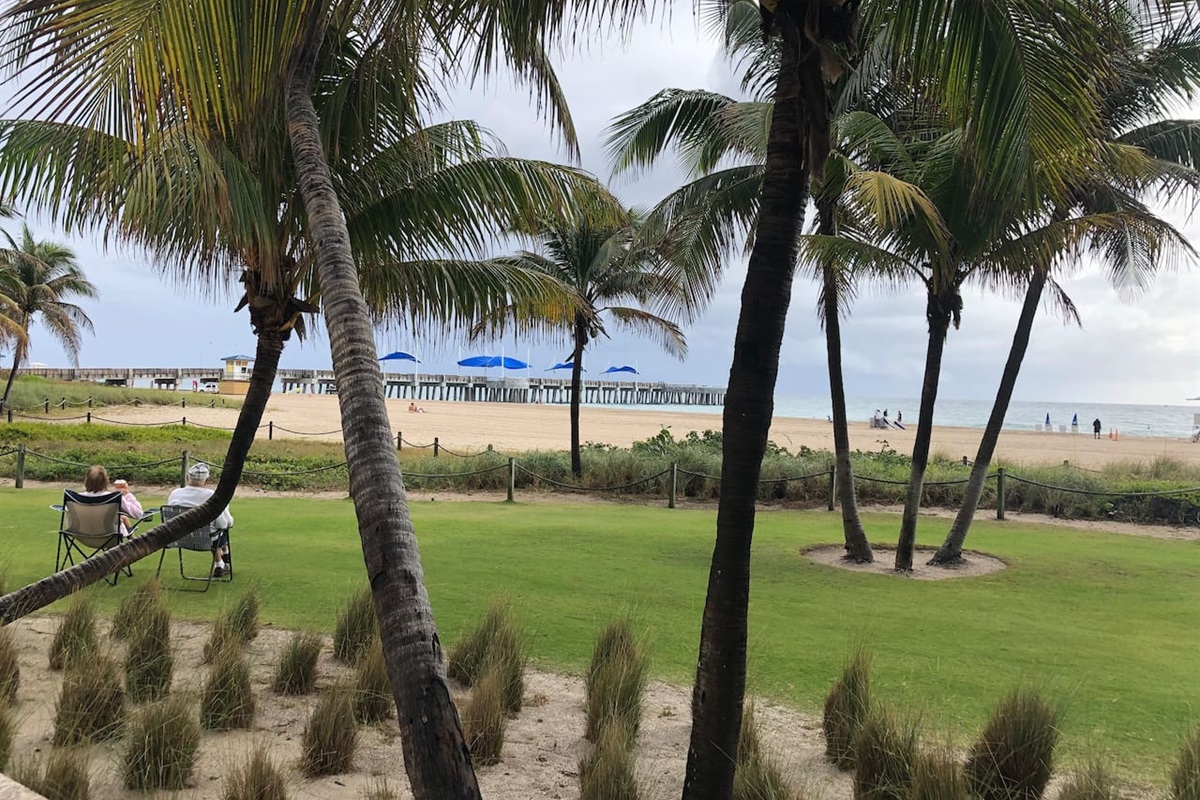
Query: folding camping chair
[
  {"x": 200, "y": 541},
  {"x": 89, "y": 524}
]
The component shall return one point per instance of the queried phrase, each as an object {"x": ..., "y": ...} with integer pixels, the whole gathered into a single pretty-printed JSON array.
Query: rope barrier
[
  {"x": 414, "y": 444},
  {"x": 213, "y": 427},
  {"x": 138, "y": 424},
  {"x": 450, "y": 452},
  {"x": 126, "y": 467},
  {"x": 1093, "y": 493},
  {"x": 455, "y": 474},
  {"x": 56, "y": 460},
  {"x": 717, "y": 478},
  {"x": 4, "y": 453},
  {"x": 553, "y": 482},
  {"x": 304, "y": 433},
  {"x": 261, "y": 474},
  {"x": 56, "y": 419}
]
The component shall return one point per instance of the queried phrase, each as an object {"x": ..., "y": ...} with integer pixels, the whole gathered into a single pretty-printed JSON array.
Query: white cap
[{"x": 198, "y": 470}]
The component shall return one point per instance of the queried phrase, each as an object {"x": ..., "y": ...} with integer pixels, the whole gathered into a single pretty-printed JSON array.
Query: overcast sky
[{"x": 1140, "y": 350}]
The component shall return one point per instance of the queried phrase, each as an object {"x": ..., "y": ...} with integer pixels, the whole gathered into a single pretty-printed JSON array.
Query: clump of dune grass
[
  {"x": 609, "y": 771},
  {"x": 243, "y": 617},
  {"x": 372, "y": 688},
  {"x": 161, "y": 746},
  {"x": 1093, "y": 782},
  {"x": 91, "y": 705},
  {"x": 1013, "y": 758},
  {"x": 757, "y": 774},
  {"x": 507, "y": 654},
  {"x": 133, "y": 606},
  {"x": 149, "y": 662},
  {"x": 468, "y": 657},
  {"x": 258, "y": 779},
  {"x": 63, "y": 775},
  {"x": 10, "y": 667},
  {"x": 296, "y": 672},
  {"x": 356, "y": 627},
  {"x": 615, "y": 681},
  {"x": 221, "y": 637},
  {"x": 331, "y": 736},
  {"x": 484, "y": 721},
  {"x": 1185, "y": 777},
  {"x": 938, "y": 775},
  {"x": 380, "y": 790},
  {"x": 885, "y": 753},
  {"x": 8, "y": 732},
  {"x": 76, "y": 634},
  {"x": 846, "y": 707},
  {"x": 227, "y": 700}
]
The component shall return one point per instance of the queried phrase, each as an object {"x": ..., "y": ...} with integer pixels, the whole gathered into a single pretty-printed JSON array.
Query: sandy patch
[
  {"x": 541, "y": 750},
  {"x": 972, "y": 566}
]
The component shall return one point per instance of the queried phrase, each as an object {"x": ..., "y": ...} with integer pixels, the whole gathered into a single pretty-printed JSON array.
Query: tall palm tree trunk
[
  {"x": 18, "y": 355},
  {"x": 749, "y": 404},
  {"x": 858, "y": 549},
  {"x": 938, "y": 314},
  {"x": 951, "y": 549},
  {"x": 435, "y": 754},
  {"x": 577, "y": 392},
  {"x": 54, "y": 587}
]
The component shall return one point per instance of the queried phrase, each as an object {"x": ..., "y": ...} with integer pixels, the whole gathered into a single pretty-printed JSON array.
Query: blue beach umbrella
[
  {"x": 562, "y": 365},
  {"x": 400, "y": 356},
  {"x": 625, "y": 368},
  {"x": 505, "y": 362}
]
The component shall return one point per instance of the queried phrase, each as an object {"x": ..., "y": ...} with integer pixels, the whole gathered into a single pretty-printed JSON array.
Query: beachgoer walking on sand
[
  {"x": 1096, "y": 426},
  {"x": 899, "y": 417}
]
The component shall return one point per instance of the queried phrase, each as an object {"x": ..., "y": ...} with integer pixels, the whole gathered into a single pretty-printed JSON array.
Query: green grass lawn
[{"x": 1107, "y": 624}]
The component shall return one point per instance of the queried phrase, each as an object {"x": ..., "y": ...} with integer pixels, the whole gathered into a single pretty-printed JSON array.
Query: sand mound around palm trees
[{"x": 973, "y": 565}]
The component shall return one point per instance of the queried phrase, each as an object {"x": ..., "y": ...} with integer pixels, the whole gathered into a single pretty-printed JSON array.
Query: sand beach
[{"x": 470, "y": 427}]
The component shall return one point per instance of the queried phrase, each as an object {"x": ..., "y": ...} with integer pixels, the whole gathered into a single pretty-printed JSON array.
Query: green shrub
[
  {"x": 1013, "y": 758},
  {"x": 227, "y": 700},
  {"x": 938, "y": 775},
  {"x": 243, "y": 617},
  {"x": 846, "y": 707},
  {"x": 149, "y": 661},
  {"x": 758, "y": 775},
  {"x": 1185, "y": 778},
  {"x": 609, "y": 771},
  {"x": 161, "y": 746},
  {"x": 373, "y": 700},
  {"x": 76, "y": 634},
  {"x": 63, "y": 776},
  {"x": 468, "y": 657},
  {"x": 484, "y": 721},
  {"x": 356, "y": 628},
  {"x": 616, "y": 681},
  {"x": 885, "y": 752},
  {"x": 258, "y": 779},
  {"x": 8, "y": 732},
  {"x": 10, "y": 667},
  {"x": 91, "y": 705},
  {"x": 134, "y": 605},
  {"x": 329, "y": 740},
  {"x": 296, "y": 672},
  {"x": 1093, "y": 782}
]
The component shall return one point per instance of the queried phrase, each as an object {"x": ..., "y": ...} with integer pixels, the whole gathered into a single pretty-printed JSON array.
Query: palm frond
[{"x": 643, "y": 323}]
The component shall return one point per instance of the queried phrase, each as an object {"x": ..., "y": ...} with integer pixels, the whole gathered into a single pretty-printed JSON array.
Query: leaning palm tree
[
  {"x": 608, "y": 262},
  {"x": 1154, "y": 60},
  {"x": 250, "y": 75},
  {"x": 38, "y": 279}
]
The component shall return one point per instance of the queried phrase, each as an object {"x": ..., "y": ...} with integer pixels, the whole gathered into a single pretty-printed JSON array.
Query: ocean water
[{"x": 1174, "y": 421}]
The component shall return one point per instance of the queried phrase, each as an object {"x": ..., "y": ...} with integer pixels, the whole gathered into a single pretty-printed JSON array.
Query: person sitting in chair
[
  {"x": 95, "y": 483},
  {"x": 193, "y": 495}
]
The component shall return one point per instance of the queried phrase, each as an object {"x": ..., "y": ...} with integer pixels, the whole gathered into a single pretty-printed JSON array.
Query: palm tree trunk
[
  {"x": 54, "y": 587},
  {"x": 749, "y": 405},
  {"x": 577, "y": 392},
  {"x": 951, "y": 549},
  {"x": 858, "y": 549},
  {"x": 435, "y": 754},
  {"x": 18, "y": 354},
  {"x": 938, "y": 314}
]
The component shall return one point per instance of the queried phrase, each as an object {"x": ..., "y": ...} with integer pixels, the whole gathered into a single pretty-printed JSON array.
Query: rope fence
[{"x": 91, "y": 402}]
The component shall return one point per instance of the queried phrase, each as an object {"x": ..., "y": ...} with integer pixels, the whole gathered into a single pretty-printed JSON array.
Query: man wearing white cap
[{"x": 193, "y": 495}]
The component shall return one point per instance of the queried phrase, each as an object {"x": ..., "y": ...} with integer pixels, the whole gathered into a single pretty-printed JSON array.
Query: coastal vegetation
[
  {"x": 1082, "y": 615},
  {"x": 30, "y": 393}
]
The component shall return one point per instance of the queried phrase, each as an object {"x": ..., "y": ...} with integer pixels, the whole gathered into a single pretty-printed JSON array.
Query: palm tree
[
  {"x": 250, "y": 74},
  {"x": 608, "y": 260},
  {"x": 37, "y": 281},
  {"x": 1153, "y": 59}
]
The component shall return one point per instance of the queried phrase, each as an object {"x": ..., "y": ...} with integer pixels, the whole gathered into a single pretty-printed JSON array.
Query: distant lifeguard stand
[{"x": 235, "y": 379}]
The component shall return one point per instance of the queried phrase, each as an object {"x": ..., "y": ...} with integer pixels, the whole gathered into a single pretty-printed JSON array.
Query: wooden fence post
[
  {"x": 183, "y": 422},
  {"x": 673, "y": 486},
  {"x": 512, "y": 478},
  {"x": 399, "y": 441},
  {"x": 183, "y": 402},
  {"x": 1000, "y": 493},
  {"x": 270, "y": 430},
  {"x": 62, "y": 404},
  {"x": 47, "y": 405},
  {"x": 89, "y": 418},
  {"x": 20, "y": 482},
  {"x": 183, "y": 468},
  {"x": 436, "y": 446},
  {"x": 832, "y": 486}
]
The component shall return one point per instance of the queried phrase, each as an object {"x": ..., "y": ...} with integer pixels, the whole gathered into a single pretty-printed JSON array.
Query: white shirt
[{"x": 192, "y": 496}]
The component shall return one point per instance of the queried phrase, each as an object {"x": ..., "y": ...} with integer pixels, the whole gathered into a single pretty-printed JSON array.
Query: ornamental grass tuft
[
  {"x": 161, "y": 746},
  {"x": 1013, "y": 758},
  {"x": 356, "y": 627},
  {"x": 846, "y": 707},
  {"x": 76, "y": 634},
  {"x": 91, "y": 705},
  {"x": 331, "y": 736},
  {"x": 296, "y": 672}
]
